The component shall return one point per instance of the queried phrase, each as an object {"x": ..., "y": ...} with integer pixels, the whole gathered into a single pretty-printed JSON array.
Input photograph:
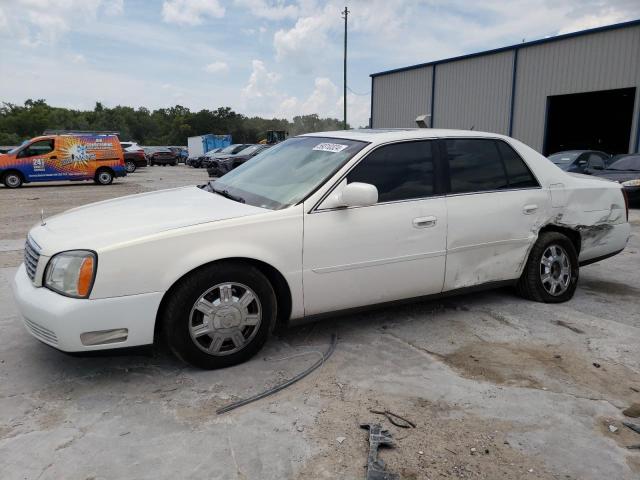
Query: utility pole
[{"x": 345, "y": 14}]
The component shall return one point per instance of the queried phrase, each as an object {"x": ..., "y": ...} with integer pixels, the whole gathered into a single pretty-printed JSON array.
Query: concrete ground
[{"x": 499, "y": 387}]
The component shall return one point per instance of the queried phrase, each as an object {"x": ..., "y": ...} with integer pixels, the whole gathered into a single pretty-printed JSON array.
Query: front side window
[
  {"x": 475, "y": 165},
  {"x": 401, "y": 171},
  {"x": 595, "y": 161},
  {"x": 41, "y": 147}
]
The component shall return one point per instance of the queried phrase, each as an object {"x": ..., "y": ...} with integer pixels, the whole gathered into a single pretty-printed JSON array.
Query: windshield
[
  {"x": 287, "y": 173},
  {"x": 249, "y": 150},
  {"x": 229, "y": 149},
  {"x": 631, "y": 162},
  {"x": 564, "y": 158}
]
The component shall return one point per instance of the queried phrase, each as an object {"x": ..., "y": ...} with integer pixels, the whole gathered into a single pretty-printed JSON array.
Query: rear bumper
[
  {"x": 603, "y": 241},
  {"x": 59, "y": 321}
]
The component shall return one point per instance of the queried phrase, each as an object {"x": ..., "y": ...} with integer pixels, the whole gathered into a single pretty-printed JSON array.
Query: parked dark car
[
  {"x": 133, "y": 160},
  {"x": 180, "y": 153},
  {"x": 225, "y": 152},
  {"x": 221, "y": 165},
  {"x": 624, "y": 169},
  {"x": 197, "y": 161},
  {"x": 163, "y": 156},
  {"x": 580, "y": 161}
]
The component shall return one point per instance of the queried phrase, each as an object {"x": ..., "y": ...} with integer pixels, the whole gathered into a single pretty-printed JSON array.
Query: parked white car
[
  {"x": 131, "y": 147},
  {"x": 320, "y": 223}
]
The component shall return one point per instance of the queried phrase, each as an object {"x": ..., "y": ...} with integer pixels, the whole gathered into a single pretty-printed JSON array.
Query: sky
[{"x": 272, "y": 58}]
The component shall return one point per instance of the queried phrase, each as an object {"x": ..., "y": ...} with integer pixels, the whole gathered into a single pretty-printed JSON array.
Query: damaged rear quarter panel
[{"x": 596, "y": 210}]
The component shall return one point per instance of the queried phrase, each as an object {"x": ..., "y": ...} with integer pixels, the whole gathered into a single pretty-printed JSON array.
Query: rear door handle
[
  {"x": 424, "y": 222},
  {"x": 529, "y": 209}
]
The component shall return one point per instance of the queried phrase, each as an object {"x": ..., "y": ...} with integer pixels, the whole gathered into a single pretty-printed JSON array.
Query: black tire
[
  {"x": 179, "y": 313},
  {"x": 104, "y": 176},
  {"x": 12, "y": 180},
  {"x": 531, "y": 286},
  {"x": 130, "y": 166}
]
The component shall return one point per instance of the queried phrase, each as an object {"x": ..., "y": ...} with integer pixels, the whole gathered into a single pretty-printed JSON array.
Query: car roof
[{"x": 379, "y": 135}]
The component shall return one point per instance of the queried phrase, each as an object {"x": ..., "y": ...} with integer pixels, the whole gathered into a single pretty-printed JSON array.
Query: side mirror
[
  {"x": 358, "y": 194},
  {"x": 597, "y": 167},
  {"x": 354, "y": 194}
]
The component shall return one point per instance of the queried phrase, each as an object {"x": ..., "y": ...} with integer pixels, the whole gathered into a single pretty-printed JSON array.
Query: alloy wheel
[
  {"x": 555, "y": 270},
  {"x": 225, "y": 318}
]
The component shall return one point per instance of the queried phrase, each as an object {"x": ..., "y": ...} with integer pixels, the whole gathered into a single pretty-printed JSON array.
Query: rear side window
[
  {"x": 401, "y": 171},
  {"x": 518, "y": 173},
  {"x": 475, "y": 165}
]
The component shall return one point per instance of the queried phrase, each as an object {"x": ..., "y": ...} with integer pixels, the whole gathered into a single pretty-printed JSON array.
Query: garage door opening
[{"x": 590, "y": 121}]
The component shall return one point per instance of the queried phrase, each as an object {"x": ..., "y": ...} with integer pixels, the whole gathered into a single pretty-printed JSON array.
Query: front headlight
[
  {"x": 632, "y": 183},
  {"x": 71, "y": 273}
]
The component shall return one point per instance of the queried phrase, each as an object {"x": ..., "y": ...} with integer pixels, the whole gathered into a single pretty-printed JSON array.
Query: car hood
[
  {"x": 124, "y": 219},
  {"x": 618, "y": 175}
]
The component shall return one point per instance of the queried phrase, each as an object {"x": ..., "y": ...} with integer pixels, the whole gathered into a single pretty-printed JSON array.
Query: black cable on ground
[{"x": 283, "y": 385}]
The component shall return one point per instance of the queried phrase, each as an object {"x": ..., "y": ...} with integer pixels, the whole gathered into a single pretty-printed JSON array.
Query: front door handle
[
  {"x": 529, "y": 209},
  {"x": 423, "y": 222},
  {"x": 53, "y": 157}
]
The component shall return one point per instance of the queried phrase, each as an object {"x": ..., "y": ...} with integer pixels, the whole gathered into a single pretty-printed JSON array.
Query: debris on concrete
[
  {"x": 633, "y": 411},
  {"x": 375, "y": 466},
  {"x": 340, "y": 439},
  {"x": 300, "y": 428},
  {"x": 596, "y": 364},
  {"x": 395, "y": 419},
  {"x": 283, "y": 385},
  {"x": 613, "y": 428},
  {"x": 632, "y": 426}
]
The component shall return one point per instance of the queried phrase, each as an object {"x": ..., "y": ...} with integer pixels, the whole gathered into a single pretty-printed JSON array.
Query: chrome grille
[
  {"x": 31, "y": 257},
  {"x": 41, "y": 332}
]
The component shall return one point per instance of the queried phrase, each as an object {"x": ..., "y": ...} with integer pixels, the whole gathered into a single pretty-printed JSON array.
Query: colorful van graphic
[{"x": 63, "y": 157}]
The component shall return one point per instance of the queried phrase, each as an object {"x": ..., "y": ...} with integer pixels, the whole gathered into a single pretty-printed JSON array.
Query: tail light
[{"x": 626, "y": 202}]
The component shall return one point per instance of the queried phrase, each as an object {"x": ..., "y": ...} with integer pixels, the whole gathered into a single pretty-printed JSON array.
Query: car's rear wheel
[
  {"x": 219, "y": 315},
  {"x": 130, "y": 166},
  {"x": 551, "y": 273},
  {"x": 12, "y": 180},
  {"x": 104, "y": 176}
]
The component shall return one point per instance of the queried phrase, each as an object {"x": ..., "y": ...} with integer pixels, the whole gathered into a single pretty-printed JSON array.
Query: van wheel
[
  {"x": 12, "y": 180},
  {"x": 219, "y": 315},
  {"x": 104, "y": 177},
  {"x": 130, "y": 166},
  {"x": 551, "y": 273}
]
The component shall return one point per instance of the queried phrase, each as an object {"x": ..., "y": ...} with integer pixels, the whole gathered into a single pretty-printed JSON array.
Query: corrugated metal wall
[
  {"x": 475, "y": 93},
  {"x": 601, "y": 61},
  {"x": 400, "y": 97}
]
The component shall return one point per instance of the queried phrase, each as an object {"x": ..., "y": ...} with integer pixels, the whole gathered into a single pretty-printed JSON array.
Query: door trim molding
[{"x": 375, "y": 263}]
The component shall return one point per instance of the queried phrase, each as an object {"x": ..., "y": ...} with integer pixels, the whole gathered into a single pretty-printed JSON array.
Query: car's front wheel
[
  {"x": 130, "y": 166},
  {"x": 12, "y": 180},
  {"x": 220, "y": 315},
  {"x": 551, "y": 272}
]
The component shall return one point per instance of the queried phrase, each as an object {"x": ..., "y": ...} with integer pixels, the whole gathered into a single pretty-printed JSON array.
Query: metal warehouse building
[{"x": 574, "y": 91}]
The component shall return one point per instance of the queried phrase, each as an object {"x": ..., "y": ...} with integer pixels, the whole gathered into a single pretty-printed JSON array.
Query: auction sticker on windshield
[{"x": 330, "y": 147}]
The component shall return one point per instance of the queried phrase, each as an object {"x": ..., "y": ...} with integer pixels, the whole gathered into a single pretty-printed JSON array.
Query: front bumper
[{"x": 59, "y": 321}]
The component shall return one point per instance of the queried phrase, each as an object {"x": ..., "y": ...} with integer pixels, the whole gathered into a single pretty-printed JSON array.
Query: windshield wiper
[{"x": 225, "y": 193}]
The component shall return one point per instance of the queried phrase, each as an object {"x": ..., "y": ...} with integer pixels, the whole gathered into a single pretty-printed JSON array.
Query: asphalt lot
[{"x": 499, "y": 387}]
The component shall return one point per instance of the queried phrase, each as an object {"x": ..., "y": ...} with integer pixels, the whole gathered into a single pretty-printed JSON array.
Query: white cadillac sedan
[{"x": 320, "y": 223}]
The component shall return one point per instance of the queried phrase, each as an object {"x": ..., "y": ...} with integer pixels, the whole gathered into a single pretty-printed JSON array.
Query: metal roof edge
[{"x": 615, "y": 26}]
